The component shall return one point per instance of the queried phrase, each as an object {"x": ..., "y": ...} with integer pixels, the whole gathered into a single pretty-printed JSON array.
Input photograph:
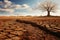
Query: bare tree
[{"x": 48, "y": 6}]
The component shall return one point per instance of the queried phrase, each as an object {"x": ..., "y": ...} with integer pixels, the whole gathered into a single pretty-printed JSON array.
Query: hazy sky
[{"x": 23, "y": 7}]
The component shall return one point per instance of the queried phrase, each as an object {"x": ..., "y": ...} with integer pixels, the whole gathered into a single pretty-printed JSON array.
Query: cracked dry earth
[{"x": 12, "y": 30}]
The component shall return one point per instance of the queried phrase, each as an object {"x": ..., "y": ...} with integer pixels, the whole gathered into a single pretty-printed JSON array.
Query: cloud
[
  {"x": 6, "y": 10},
  {"x": 17, "y": 6},
  {"x": 24, "y": 6},
  {"x": 8, "y": 6}
]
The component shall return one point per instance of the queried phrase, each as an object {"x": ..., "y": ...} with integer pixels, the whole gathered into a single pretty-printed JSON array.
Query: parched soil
[{"x": 30, "y": 29}]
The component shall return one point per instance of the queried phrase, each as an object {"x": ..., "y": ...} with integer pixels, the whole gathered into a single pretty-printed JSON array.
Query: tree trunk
[{"x": 48, "y": 13}]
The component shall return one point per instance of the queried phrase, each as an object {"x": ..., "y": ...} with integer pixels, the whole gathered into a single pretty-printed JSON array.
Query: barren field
[{"x": 29, "y": 28}]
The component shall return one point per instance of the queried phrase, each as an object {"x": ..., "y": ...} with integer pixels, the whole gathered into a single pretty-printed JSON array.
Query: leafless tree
[{"x": 48, "y": 6}]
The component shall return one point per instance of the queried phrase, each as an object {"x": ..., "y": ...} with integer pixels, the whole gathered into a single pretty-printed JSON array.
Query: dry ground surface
[{"x": 29, "y": 28}]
